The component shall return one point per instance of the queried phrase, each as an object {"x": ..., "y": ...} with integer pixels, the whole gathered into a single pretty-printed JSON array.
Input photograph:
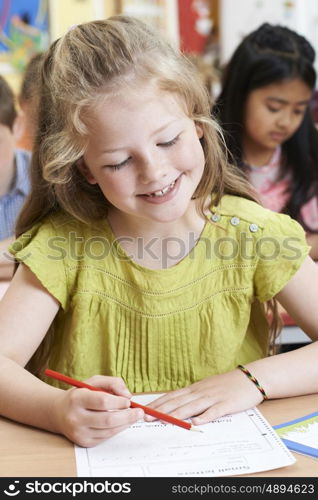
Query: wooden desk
[{"x": 30, "y": 452}]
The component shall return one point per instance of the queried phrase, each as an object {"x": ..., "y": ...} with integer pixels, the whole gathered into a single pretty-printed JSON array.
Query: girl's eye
[
  {"x": 299, "y": 111},
  {"x": 118, "y": 166},
  {"x": 169, "y": 143},
  {"x": 273, "y": 110}
]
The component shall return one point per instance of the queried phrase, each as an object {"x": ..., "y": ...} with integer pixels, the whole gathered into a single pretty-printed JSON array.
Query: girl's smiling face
[{"x": 145, "y": 154}]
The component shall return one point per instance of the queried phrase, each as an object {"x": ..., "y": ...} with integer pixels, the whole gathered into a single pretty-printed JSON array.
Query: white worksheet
[{"x": 241, "y": 443}]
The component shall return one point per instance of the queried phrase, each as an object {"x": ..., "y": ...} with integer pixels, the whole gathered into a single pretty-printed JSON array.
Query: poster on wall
[
  {"x": 24, "y": 31},
  {"x": 149, "y": 11},
  {"x": 161, "y": 14},
  {"x": 195, "y": 24}
]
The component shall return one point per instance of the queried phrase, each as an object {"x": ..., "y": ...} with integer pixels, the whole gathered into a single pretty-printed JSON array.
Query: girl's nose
[
  {"x": 284, "y": 119},
  {"x": 151, "y": 169}
]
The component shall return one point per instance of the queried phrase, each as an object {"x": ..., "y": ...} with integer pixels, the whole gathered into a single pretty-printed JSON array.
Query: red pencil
[{"x": 133, "y": 404}]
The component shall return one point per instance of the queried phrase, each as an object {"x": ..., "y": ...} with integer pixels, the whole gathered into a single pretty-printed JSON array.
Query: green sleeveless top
[{"x": 163, "y": 329}]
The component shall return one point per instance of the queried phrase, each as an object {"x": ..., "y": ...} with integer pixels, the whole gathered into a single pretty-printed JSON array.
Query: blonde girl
[{"x": 144, "y": 263}]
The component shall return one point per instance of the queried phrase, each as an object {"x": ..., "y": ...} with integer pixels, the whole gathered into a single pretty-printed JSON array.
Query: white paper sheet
[{"x": 241, "y": 443}]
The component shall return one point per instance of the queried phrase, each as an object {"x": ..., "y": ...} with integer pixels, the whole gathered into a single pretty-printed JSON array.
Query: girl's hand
[
  {"x": 89, "y": 417},
  {"x": 210, "y": 398}
]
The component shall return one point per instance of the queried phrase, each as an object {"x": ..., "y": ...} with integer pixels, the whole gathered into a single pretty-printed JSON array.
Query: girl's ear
[
  {"x": 85, "y": 171},
  {"x": 199, "y": 130}
]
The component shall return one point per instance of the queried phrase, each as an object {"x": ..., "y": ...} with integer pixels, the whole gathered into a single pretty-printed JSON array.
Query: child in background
[
  {"x": 130, "y": 270},
  {"x": 264, "y": 109},
  {"x": 28, "y": 100},
  {"x": 14, "y": 175}
]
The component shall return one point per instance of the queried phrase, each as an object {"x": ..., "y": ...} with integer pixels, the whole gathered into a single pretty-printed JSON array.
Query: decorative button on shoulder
[
  {"x": 235, "y": 221},
  {"x": 253, "y": 228},
  {"x": 216, "y": 217}
]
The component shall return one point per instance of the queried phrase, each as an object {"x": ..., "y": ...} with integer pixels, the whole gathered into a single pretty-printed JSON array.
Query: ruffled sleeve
[
  {"x": 44, "y": 253},
  {"x": 281, "y": 249}
]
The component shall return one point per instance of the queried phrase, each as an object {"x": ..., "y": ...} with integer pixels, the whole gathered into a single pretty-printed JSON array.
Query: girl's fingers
[
  {"x": 173, "y": 403},
  {"x": 216, "y": 411},
  {"x": 113, "y": 419},
  {"x": 97, "y": 436},
  {"x": 114, "y": 385},
  {"x": 98, "y": 401},
  {"x": 102, "y": 434},
  {"x": 169, "y": 397},
  {"x": 193, "y": 408},
  {"x": 185, "y": 408},
  {"x": 101, "y": 425}
]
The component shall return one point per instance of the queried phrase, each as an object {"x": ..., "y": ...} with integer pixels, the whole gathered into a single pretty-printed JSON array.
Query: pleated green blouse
[{"x": 163, "y": 329}]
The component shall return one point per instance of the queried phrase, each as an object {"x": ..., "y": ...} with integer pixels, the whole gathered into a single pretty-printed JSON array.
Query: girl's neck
[
  {"x": 156, "y": 245},
  {"x": 255, "y": 156},
  {"x": 126, "y": 225}
]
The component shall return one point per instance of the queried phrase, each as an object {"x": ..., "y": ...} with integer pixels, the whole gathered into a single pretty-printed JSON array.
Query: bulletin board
[
  {"x": 161, "y": 14},
  {"x": 195, "y": 24},
  {"x": 24, "y": 31}
]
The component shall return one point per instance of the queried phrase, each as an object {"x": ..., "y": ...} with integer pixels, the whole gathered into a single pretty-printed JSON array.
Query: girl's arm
[
  {"x": 300, "y": 298},
  {"x": 312, "y": 240},
  {"x": 290, "y": 374},
  {"x": 6, "y": 261},
  {"x": 26, "y": 312}
]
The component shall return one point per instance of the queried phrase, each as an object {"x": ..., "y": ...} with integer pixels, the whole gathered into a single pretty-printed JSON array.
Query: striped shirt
[{"x": 11, "y": 203}]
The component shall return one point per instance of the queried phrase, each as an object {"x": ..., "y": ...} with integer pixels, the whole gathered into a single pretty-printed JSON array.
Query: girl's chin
[{"x": 166, "y": 219}]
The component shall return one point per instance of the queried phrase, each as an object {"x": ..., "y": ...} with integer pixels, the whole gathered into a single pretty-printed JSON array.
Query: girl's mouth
[
  {"x": 277, "y": 136},
  {"x": 163, "y": 191},
  {"x": 164, "y": 194}
]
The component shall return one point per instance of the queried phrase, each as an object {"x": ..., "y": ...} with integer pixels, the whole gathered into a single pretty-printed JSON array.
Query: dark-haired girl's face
[{"x": 272, "y": 115}]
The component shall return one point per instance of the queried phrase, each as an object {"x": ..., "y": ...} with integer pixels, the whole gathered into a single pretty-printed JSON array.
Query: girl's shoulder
[
  {"x": 56, "y": 247},
  {"x": 272, "y": 242},
  {"x": 249, "y": 217},
  {"x": 238, "y": 209},
  {"x": 62, "y": 229},
  {"x": 63, "y": 224}
]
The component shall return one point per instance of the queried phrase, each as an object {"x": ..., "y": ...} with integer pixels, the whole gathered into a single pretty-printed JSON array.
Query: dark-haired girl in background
[{"x": 264, "y": 110}]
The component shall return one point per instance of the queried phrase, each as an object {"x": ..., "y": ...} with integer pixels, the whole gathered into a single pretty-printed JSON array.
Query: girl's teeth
[{"x": 163, "y": 191}]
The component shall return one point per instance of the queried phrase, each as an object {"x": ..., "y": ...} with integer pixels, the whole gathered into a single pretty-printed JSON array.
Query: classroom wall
[
  {"x": 236, "y": 22},
  {"x": 64, "y": 14}
]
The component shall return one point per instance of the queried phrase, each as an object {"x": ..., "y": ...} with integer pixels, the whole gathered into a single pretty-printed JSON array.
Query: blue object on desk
[{"x": 294, "y": 445}]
